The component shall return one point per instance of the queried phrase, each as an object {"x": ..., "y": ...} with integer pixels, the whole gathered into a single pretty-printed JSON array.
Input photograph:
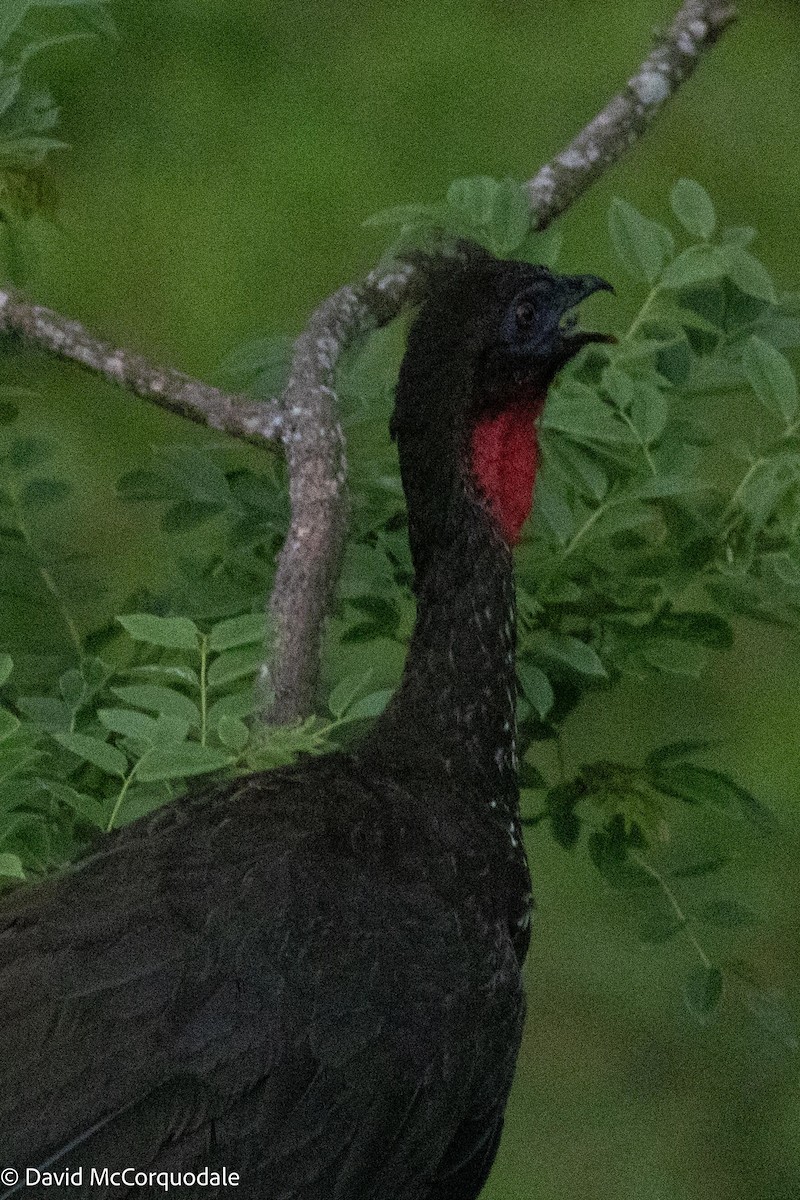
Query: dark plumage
[{"x": 311, "y": 976}]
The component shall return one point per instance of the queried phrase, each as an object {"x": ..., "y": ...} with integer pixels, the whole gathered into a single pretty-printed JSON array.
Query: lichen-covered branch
[
  {"x": 696, "y": 27},
  {"x": 305, "y": 418},
  {"x": 314, "y": 444},
  {"x": 240, "y": 416}
]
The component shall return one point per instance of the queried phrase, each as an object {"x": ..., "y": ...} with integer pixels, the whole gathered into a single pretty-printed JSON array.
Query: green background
[{"x": 224, "y": 156}]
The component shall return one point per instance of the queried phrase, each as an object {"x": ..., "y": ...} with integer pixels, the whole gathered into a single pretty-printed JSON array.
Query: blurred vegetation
[{"x": 223, "y": 159}]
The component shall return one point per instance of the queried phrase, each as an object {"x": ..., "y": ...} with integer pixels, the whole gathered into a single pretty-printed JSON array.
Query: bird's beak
[{"x": 568, "y": 292}]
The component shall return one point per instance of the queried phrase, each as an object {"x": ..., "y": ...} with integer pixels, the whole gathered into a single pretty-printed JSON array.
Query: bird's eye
[{"x": 525, "y": 313}]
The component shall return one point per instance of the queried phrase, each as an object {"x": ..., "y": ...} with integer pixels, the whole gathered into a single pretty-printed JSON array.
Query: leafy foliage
[
  {"x": 493, "y": 212},
  {"x": 29, "y": 115},
  {"x": 643, "y": 561}
]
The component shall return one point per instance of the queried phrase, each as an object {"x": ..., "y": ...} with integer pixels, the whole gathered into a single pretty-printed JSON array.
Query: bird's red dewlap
[{"x": 504, "y": 460}]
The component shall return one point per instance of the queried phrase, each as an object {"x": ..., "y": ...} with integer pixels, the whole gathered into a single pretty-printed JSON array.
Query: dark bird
[{"x": 310, "y": 976}]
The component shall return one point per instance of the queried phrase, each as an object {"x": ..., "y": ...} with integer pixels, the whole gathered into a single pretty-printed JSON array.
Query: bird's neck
[{"x": 453, "y": 717}]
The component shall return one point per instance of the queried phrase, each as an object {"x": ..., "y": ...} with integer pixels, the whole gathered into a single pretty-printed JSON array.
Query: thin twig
[{"x": 305, "y": 418}]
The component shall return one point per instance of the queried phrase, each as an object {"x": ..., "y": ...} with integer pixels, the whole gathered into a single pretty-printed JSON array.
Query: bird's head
[{"x": 486, "y": 344}]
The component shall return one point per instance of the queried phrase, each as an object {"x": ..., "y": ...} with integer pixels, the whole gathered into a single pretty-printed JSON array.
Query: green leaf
[
  {"x": 27, "y": 452},
  {"x": 141, "y": 800},
  {"x": 237, "y": 704},
  {"x": 702, "y": 866},
  {"x": 673, "y": 361},
  {"x": 201, "y": 480},
  {"x": 694, "y": 208},
  {"x": 767, "y": 485},
  {"x": 238, "y": 631},
  {"x": 695, "y": 266},
  {"x": 784, "y": 571},
  {"x": 154, "y": 698},
  {"x": 11, "y": 864},
  {"x": 730, "y": 914},
  {"x": 95, "y": 673},
  {"x": 509, "y": 217},
  {"x": 402, "y": 214},
  {"x": 560, "y": 803},
  {"x": 87, "y": 808},
  {"x": 369, "y": 706},
  {"x": 702, "y": 785},
  {"x": 234, "y": 664},
  {"x": 72, "y": 687},
  {"x": 233, "y": 733},
  {"x": 619, "y": 386},
  {"x": 693, "y": 784},
  {"x": 568, "y": 651},
  {"x": 6, "y": 667},
  {"x": 675, "y": 750},
  {"x": 749, "y": 275},
  {"x": 345, "y": 692},
  {"x": 742, "y": 235},
  {"x": 649, "y": 412},
  {"x": 771, "y": 377},
  {"x": 553, "y": 509},
  {"x": 31, "y": 49},
  {"x": 52, "y": 714},
  {"x": 8, "y": 724},
  {"x": 176, "y": 762},
  {"x": 145, "y": 485},
  {"x": 187, "y": 514},
  {"x": 536, "y": 688},
  {"x": 173, "y": 633},
  {"x": 473, "y": 198},
  {"x": 29, "y": 151},
  {"x": 8, "y": 412},
  {"x": 9, "y": 89},
  {"x": 177, "y": 672},
  {"x": 92, "y": 750},
  {"x": 579, "y": 413},
  {"x": 609, "y": 854},
  {"x": 542, "y": 247},
  {"x": 640, "y": 243},
  {"x": 132, "y": 724},
  {"x": 12, "y": 15},
  {"x": 703, "y": 992},
  {"x": 577, "y": 466}
]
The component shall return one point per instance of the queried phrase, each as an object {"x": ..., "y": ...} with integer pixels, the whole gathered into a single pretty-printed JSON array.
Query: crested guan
[{"x": 311, "y": 976}]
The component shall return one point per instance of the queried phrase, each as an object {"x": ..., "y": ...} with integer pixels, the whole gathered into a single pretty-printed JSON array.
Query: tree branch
[
  {"x": 315, "y": 451},
  {"x": 695, "y": 29},
  {"x": 305, "y": 418},
  {"x": 240, "y": 416}
]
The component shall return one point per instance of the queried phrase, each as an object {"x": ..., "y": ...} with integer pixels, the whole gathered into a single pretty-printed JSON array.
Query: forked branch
[{"x": 305, "y": 418}]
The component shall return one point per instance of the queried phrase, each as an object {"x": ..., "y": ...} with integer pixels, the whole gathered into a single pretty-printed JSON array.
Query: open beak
[{"x": 570, "y": 291}]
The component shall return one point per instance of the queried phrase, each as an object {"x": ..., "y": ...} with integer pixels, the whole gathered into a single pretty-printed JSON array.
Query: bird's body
[
  {"x": 308, "y": 959},
  {"x": 311, "y": 976}
]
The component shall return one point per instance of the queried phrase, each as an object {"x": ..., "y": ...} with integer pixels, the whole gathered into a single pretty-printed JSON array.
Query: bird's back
[{"x": 295, "y": 977}]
